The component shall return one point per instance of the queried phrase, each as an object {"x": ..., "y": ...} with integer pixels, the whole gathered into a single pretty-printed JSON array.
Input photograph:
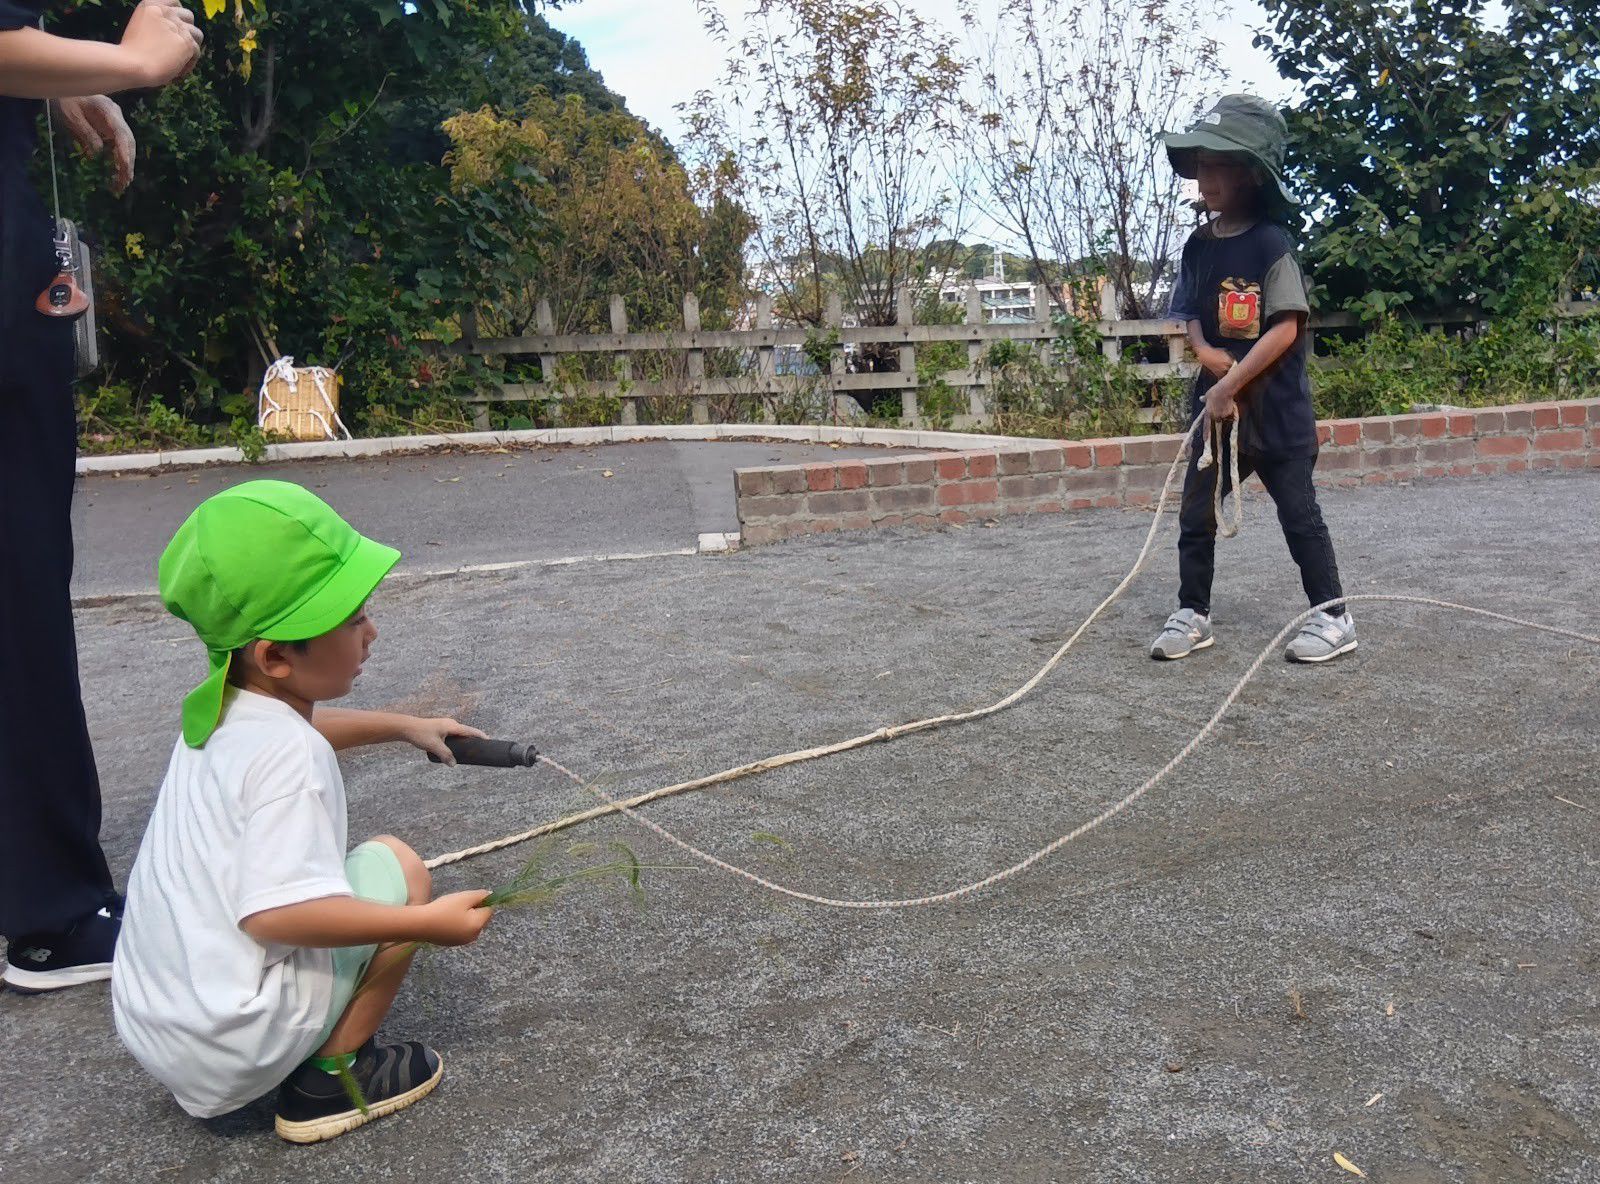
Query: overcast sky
[{"x": 656, "y": 54}]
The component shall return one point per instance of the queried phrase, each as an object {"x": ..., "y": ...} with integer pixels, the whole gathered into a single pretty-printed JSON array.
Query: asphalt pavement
[{"x": 1360, "y": 920}]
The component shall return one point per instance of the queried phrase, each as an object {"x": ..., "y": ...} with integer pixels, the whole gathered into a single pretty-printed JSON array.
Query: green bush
[
  {"x": 1400, "y": 364},
  {"x": 111, "y": 420},
  {"x": 1076, "y": 394}
]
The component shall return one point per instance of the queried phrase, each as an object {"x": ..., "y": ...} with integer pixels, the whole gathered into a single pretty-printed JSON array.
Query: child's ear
[{"x": 271, "y": 658}]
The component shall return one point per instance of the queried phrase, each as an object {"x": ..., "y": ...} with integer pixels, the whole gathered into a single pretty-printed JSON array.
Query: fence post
[
  {"x": 975, "y": 400},
  {"x": 1111, "y": 347},
  {"x": 766, "y": 359},
  {"x": 469, "y": 335},
  {"x": 701, "y": 411},
  {"x": 624, "y": 368},
  {"x": 1041, "y": 315},
  {"x": 1176, "y": 349},
  {"x": 836, "y": 361},
  {"x": 546, "y": 322},
  {"x": 1563, "y": 296},
  {"x": 905, "y": 316}
]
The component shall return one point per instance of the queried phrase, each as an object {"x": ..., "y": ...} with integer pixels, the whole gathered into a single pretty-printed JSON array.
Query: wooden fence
[{"x": 758, "y": 348}]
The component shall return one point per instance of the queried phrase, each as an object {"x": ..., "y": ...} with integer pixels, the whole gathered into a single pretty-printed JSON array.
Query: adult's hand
[
  {"x": 96, "y": 123},
  {"x": 163, "y": 41}
]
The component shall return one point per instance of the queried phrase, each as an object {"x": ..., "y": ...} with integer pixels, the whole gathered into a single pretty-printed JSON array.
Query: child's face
[
  {"x": 330, "y": 664},
  {"x": 321, "y": 669},
  {"x": 1227, "y": 184}
]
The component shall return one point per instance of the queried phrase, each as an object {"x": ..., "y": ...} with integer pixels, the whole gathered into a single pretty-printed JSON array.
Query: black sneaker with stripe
[
  {"x": 317, "y": 1103},
  {"x": 82, "y": 954}
]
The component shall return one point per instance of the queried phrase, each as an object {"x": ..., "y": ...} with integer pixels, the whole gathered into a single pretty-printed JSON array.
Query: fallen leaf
[
  {"x": 608, "y": 473},
  {"x": 1389, "y": 1010},
  {"x": 1174, "y": 1066},
  {"x": 1348, "y": 1166}
]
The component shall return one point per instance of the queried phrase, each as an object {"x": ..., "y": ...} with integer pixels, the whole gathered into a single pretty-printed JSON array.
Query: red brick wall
[{"x": 1048, "y": 476}]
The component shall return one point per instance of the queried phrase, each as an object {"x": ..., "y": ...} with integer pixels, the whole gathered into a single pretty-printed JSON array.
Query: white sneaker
[{"x": 1322, "y": 639}]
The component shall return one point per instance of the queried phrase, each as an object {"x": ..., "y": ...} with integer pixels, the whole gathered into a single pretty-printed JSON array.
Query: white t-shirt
[{"x": 252, "y": 821}]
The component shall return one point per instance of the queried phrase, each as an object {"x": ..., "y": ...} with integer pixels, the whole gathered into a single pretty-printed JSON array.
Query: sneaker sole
[
  {"x": 1206, "y": 644},
  {"x": 1328, "y": 657},
  {"x": 38, "y": 982},
  {"x": 319, "y": 1130}
]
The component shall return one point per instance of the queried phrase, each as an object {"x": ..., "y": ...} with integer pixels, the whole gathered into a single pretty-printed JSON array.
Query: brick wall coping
[{"x": 1015, "y": 476}]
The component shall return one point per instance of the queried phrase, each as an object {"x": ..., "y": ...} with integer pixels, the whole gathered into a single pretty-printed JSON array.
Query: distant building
[{"x": 1011, "y": 302}]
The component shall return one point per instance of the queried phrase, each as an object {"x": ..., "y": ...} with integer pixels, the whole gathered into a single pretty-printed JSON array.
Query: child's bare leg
[{"x": 376, "y": 991}]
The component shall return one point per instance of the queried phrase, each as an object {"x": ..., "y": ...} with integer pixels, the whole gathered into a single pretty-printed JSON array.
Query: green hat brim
[
  {"x": 1182, "y": 146},
  {"x": 330, "y": 606},
  {"x": 336, "y": 601}
]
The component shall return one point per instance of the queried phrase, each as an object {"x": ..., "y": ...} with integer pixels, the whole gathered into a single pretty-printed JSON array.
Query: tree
[
  {"x": 279, "y": 204},
  {"x": 1071, "y": 99},
  {"x": 581, "y": 204},
  {"x": 834, "y": 125},
  {"x": 1445, "y": 160}
]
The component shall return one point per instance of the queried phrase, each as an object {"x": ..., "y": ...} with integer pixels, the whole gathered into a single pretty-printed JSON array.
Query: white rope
[
  {"x": 1220, "y": 433},
  {"x": 629, "y": 808},
  {"x": 887, "y": 733},
  {"x": 1078, "y": 832},
  {"x": 284, "y": 369}
]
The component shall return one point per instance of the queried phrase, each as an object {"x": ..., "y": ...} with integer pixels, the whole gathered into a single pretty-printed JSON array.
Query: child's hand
[
  {"x": 1217, "y": 362},
  {"x": 1220, "y": 405},
  {"x": 429, "y": 735},
  {"x": 454, "y": 920}
]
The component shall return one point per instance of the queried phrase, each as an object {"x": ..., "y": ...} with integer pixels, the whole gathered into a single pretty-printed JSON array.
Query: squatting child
[{"x": 256, "y": 953}]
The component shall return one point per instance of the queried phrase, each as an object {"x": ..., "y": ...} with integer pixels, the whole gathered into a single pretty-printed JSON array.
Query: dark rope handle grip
[{"x": 499, "y": 754}]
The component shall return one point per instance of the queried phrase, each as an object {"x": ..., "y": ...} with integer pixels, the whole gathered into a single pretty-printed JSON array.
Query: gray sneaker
[
  {"x": 1184, "y": 632},
  {"x": 1322, "y": 639}
]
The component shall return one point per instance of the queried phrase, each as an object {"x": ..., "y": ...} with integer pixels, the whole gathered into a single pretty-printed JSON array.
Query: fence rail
[{"x": 761, "y": 342}]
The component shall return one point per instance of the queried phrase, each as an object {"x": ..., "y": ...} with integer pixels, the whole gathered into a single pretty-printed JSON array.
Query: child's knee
[{"x": 419, "y": 880}]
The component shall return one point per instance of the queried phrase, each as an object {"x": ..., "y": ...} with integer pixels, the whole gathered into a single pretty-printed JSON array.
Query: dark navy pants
[
  {"x": 52, "y": 871},
  {"x": 1288, "y": 481}
]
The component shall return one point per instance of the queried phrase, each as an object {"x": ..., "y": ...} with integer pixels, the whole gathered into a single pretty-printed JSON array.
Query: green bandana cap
[
  {"x": 263, "y": 560},
  {"x": 1242, "y": 126}
]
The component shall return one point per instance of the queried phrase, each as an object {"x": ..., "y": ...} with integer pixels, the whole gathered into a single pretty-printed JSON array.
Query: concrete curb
[{"x": 400, "y": 445}]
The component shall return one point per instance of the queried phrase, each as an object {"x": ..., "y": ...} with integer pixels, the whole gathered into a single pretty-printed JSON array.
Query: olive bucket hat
[
  {"x": 1243, "y": 126},
  {"x": 264, "y": 560}
]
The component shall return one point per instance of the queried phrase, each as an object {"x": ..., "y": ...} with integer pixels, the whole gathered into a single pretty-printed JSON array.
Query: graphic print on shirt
[{"x": 1239, "y": 310}]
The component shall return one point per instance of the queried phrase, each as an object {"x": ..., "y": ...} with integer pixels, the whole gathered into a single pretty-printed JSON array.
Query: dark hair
[{"x": 298, "y": 647}]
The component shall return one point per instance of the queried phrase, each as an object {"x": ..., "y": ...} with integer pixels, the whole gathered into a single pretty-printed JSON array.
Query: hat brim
[
  {"x": 1182, "y": 148},
  {"x": 338, "y": 599}
]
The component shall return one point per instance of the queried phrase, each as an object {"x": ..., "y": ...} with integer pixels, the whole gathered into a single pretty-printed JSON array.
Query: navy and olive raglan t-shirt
[{"x": 1236, "y": 286}]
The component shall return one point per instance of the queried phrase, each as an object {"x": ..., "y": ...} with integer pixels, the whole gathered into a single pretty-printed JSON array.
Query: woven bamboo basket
[{"x": 300, "y": 402}]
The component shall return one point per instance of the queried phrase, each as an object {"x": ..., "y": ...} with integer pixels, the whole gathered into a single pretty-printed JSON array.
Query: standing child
[
  {"x": 256, "y": 953},
  {"x": 1243, "y": 297}
]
